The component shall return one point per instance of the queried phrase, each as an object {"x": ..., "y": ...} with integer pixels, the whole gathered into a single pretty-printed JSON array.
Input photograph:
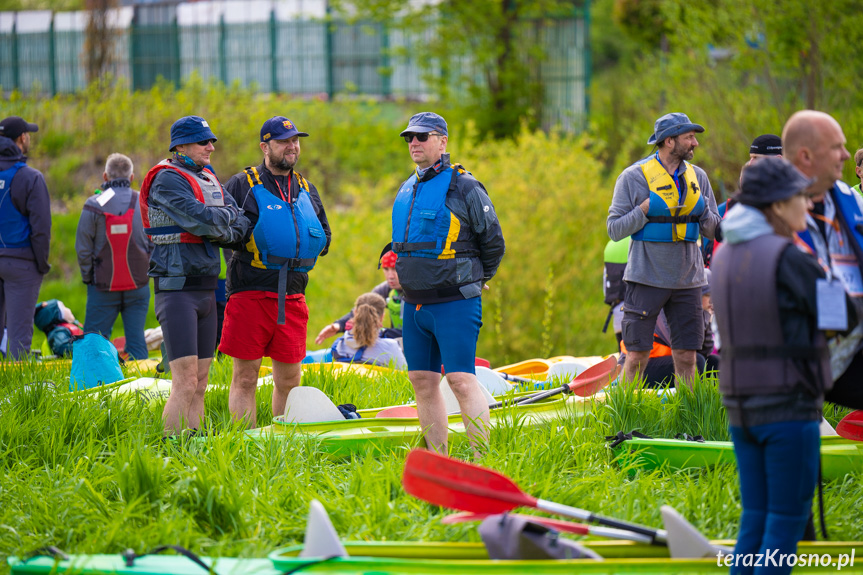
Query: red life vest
[
  {"x": 185, "y": 237},
  {"x": 121, "y": 264}
]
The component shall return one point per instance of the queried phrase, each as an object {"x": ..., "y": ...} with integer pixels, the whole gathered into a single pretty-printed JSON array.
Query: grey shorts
[
  {"x": 188, "y": 320},
  {"x": 641, "y": 306}
]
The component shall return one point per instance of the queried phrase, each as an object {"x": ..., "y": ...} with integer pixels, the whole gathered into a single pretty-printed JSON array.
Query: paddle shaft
[
  {"x": 531, "y": 398},
  {"x": 657, "y": 536}
]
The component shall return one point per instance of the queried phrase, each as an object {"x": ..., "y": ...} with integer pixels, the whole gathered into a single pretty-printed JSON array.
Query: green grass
[{"x": 90, "y": 474}]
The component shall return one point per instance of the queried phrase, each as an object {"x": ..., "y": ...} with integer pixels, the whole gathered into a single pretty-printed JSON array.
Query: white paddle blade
[
  {"x": 826, "y": 429},
  {"x": 310, "y": 405},
  {"x": 450, "y": 401},
  {"x": 321, "y": 539},
  {"x": 684, "y": 540},
  {"x": 492, "y": 381}
]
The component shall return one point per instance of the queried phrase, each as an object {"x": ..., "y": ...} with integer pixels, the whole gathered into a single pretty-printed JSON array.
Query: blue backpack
[{"x": 95, "y": 362}]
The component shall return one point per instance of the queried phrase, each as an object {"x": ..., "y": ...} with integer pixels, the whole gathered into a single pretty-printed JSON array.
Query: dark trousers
[
  {"x": 103, "y": 307},
  {"x": 660, "y": 370},
  {"x": 848, "y": 390},
  {"x": 19, "y": 292}
]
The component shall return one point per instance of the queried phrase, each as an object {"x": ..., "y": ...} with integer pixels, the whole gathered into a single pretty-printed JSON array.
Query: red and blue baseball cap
[
  {"x": 189, "y": 129},
  {"x": 425, "y": 122},
  {"x": 279, "y": 128}
]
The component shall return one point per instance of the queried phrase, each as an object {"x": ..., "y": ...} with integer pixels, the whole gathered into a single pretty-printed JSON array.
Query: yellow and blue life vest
[
  {"x": 672, "y": 215},
  {"x": 423, "y": 227},
  {"x": 288, "y": 236},
  {"x": 14, "y": 226}
]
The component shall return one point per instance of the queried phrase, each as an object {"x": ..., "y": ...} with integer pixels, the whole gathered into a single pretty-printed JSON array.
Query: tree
[
  {"x": 99, "y": 38},
  {"x": 485, "y": 54}
]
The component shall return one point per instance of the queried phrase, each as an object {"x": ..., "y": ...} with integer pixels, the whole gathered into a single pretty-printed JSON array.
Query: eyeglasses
[
  {"x": 205, "y": 143},
  {"x": 420, "y": 137}
]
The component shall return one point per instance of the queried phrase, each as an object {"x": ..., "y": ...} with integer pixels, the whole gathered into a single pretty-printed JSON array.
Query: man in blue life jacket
[
  {"x": 185, "y": 212},
  {"x": 114, "y": 255},
  {"x": 267, "y": 313},
  {"x": 449, "y": 244},
  {"x": 858, "y": 169},
  {"x": 814, "y": 142},
  {"x": 664, "y": 203},
  {"x": 25, "y": 235},
  {"x": 391, "y": 290}
]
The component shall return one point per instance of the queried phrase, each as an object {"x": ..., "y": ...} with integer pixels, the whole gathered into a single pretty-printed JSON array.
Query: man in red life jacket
[
  {"x": 185, "y": 211},
  {"x": 113, "y": 255}
]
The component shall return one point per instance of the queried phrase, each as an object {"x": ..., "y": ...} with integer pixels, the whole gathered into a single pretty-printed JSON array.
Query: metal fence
[{"x": 270, "y": 45}]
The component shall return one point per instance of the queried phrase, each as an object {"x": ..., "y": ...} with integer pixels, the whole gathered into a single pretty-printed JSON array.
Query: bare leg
[
  {"x": 241, "y": 398},
  {"x": 196, "y": 410},
  {"x": 184, "y": 385},
  {"x": 635, "y": 364},
  {"x": 431, "y": 408},
  {"x": 684, "y": 364},
  {"x": 474, "y": 409},
  {"x": 286, "y": 376}
]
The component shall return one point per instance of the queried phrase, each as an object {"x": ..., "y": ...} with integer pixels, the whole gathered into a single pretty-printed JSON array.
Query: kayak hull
[{"x": 428, "y": 558}]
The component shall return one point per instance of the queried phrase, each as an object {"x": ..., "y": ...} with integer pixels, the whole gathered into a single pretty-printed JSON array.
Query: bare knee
[
  {"x": 462, "y": 384},
  {"x": 425, "y": 383}
]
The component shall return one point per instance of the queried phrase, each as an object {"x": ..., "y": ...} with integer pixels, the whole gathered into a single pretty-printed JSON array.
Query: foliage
[{"x": 488, "y": 65}]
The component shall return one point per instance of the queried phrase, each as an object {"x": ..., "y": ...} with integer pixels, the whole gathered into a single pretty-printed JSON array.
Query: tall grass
[{"x": 90, "y": 473}]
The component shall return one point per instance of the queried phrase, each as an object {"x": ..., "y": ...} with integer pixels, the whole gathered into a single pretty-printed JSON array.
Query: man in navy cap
[
  {"x": 185, "y": 211},
  {"x": 664, "y": 203},
  {"x": 25, "y": 235},
  {"x": 449, "y": 244},
  {"x": 267, "y": 313}
]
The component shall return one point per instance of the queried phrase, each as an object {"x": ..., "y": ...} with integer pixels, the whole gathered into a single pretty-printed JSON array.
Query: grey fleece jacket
[
  {"x": 30, "y": 197},
  {"x": 674, "y": 265}
]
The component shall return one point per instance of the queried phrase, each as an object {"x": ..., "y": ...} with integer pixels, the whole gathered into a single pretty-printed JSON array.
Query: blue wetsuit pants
[
  {"x": 442, "y": 334},
  {"x": 778, "y": 467}
]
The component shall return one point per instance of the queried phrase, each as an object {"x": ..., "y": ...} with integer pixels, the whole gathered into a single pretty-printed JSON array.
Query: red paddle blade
[
  {"x": 455, "y": 484},
  {"x": 851, "y": 426},
  {"x": 400, "y": 411},
  {"x": 559, "y": 524},
  {"x": 595, "y": 377}
]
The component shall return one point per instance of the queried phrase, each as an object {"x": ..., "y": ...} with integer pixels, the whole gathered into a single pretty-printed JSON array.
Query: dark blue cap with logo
[
  {"x": 279, "y": 128},
  {"x": 189, "y": 129},
  {"x": 671, "y": 125},
  {"x": 14, "y": 126},
  {"x": 425, "y": 122},
  {"x": 771, "y": 179}
]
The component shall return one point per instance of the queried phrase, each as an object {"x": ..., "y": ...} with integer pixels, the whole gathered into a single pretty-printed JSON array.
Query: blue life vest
[
  {"x": 672, "y": 214},
  {"x": 356, "y": 358},
  {"x": 848, "y": 212},
  {"x": 14, "y": 226},
  {"x": 288, "y": 235},
  {"x": 95, "y": 362},
  {"x": 423, "y": 227}
]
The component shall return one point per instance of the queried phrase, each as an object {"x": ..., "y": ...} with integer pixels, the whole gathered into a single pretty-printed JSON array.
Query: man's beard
[
  {"x": 681, "y": 152},
  {"x": 281, "y": 163}
]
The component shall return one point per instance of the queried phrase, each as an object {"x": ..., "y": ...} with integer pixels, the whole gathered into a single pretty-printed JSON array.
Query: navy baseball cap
[
  {"x": 279, "y": 128},
  {"x": 766, "y": 145},
  {"x": 189, "y": 129},
  {"x": 771, "y": 179},
  {"x": 671, "y": 125},
  {"x": 425, "y": 122},
  {"x": 14, "y": 126}
]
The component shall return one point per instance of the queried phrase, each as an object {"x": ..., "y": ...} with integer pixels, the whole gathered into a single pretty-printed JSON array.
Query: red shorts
[{"x": 250, "y": 330}]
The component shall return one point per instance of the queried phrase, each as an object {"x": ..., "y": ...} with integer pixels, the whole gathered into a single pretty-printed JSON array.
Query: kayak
[
  {"x": 530, "y": 368},
  {"x": 378, "y": 435},
  {"x": 337, "y": 368},
  {"x": 430, "y": 558},
  {"x": 839, "y": 456}
]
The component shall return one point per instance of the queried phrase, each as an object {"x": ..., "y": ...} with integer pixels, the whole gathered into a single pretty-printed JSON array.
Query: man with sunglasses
[
  {"x": 267, "y": 313},
  {"x": 858, "y": 170},
  {"x": 185, "y": 212},
  {"x": 449, "y": 244},
  {"x": 815, "y": 144}
]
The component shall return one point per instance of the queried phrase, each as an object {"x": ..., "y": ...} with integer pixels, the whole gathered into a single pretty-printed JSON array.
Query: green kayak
[
  {"x": 839, "y": 456},
  {"x": 426, "y": 558},
  {"x": 379, "y": 435}
]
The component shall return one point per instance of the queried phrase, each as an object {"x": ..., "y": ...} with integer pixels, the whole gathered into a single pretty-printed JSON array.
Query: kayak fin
[
  {"x": 826, "y": 429},
  {"x": 310, "y": 405},
  {"x": 684, "y": 540},
  {"x": 450, "y": 401},
  {"x": 321, "y": 539}
]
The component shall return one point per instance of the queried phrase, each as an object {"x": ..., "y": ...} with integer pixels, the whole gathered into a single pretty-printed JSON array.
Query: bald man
[{"x": 814, "y": 143}]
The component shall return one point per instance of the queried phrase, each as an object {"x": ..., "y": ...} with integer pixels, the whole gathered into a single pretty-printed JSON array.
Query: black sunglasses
[
  {"x": 203, "y": 143},
  {"x": 421, "y": 137}
]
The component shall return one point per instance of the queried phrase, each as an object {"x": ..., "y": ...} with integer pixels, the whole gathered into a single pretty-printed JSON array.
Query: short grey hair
[{"x": 118, "y": 167}]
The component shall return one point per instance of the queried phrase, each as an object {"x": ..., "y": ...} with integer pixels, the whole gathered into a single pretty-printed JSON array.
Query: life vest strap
[
  {"x": 289, "y": 263},
  {"x": 803, "y": 352},
  {"x": 674, "y": 219},
  {"x": 164, "y": 230},
  {"x": 403, "y": 247}
]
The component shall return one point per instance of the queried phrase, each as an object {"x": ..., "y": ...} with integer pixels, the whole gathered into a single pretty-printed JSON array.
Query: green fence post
[
  {"x": 16, "y": 72},
  {"x": 132, "y": 40},
  {"x": 223, "y": 58},
  {"x": 176, "y": 68},
  {"x": 328, "y": 56},
  {"x": 274, "y": 63},
  {"x": 587, "y": 69},
  {"x": 386, "y": 80},
  {"x": 52, "y": 61}
]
